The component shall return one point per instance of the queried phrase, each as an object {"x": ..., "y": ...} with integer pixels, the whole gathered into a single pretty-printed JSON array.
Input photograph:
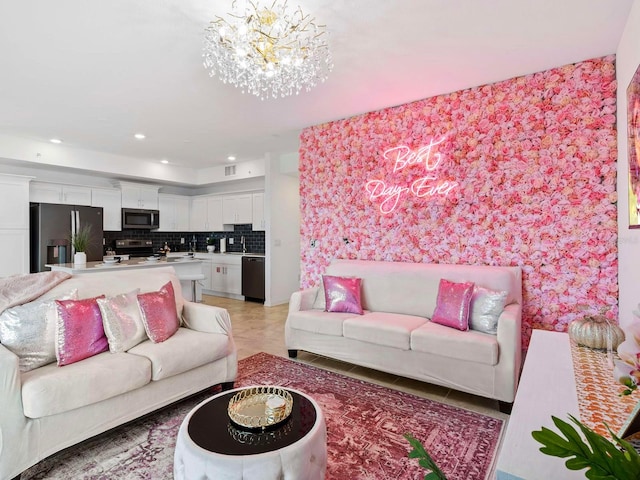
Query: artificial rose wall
[{"x": 524, "y": 174}]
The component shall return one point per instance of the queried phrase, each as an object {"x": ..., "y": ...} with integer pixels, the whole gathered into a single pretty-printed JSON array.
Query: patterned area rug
[{"x": 365, "y": 424}]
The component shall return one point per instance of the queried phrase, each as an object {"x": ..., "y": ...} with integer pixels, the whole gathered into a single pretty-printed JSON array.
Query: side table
[{"x": 210, "y": 446}]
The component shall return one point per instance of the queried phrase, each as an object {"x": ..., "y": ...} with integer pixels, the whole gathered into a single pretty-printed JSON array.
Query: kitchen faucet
[{"x": 244, "y": 246}]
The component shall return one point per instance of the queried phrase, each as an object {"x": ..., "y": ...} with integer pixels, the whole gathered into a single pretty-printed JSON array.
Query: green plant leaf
[
  {"x": 603, "y": 459},
  {"x": 424, "y": 459}
]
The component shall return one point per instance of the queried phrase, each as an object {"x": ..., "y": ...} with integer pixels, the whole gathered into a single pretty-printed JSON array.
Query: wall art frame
[{"x": 633, "y": 140}]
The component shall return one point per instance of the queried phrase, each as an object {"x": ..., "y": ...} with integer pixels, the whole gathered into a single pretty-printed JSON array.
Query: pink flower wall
[{"x": 520, "y": 172}]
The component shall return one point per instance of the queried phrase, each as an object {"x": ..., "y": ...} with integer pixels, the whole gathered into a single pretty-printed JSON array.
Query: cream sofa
[
  {"x": 45, "y": 410},
  {"x": 395, "y": 335}
]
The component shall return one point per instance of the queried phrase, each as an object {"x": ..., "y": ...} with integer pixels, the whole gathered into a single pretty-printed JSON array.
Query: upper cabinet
[
  {"x": 139, "y": 196},
  {"x": 206, "y": 214},
  {"x": 237, "y": 209},
  {"x": 174, "y": 213},
  {"x": 258, "y": 212},
  {"x": 111, "y": 202},
  {"x": 43, "y": 192}
]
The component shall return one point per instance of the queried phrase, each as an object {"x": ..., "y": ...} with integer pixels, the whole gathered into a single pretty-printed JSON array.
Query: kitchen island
[{"x": 184, "y": 267}]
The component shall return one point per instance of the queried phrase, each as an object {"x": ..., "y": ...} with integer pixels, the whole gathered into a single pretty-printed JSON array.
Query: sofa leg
[
  {"x": 293, "y": 353},
  {"x": 505, "y": 407},
  {"x": 226, "y": 386}
]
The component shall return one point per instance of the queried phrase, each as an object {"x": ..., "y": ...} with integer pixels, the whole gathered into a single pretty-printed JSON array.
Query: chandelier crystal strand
[{"x": 267, "y": 51}]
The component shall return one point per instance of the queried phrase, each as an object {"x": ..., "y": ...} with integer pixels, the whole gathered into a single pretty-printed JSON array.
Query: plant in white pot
[
  {"x": 211, "y": 247},
  {"x": 80, "y": 241}
]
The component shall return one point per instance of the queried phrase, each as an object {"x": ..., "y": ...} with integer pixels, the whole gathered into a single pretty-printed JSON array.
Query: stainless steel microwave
[{"x": 135, "y": 218}]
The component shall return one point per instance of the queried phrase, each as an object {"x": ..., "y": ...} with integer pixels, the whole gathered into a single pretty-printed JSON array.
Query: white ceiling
[{"x": 94, "y": 72}]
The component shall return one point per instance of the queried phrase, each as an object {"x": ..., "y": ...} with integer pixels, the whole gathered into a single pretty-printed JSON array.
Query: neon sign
[{"x": 427, "y": 186}]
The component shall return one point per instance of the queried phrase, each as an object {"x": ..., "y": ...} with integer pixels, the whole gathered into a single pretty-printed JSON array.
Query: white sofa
[
  {"x": 395, "y": 335},
  {"x": 47, "y": 409}
]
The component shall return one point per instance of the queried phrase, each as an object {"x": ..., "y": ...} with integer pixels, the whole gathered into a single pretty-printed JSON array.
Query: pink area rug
[{"x": 365, "y": 424}]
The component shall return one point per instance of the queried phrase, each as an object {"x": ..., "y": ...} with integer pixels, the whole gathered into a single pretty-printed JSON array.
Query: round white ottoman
[{"x": 304, "y": 459}]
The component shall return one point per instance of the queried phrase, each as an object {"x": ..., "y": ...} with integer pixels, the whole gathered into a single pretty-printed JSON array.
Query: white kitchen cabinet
[
  {"x": 223, "y": 274},
  {"x": 139, "y": 196},
  {"x": 257, "y": 200},
  {"x": 206, "y": 214},
  {"x": 43, "y": 192},
  {"x": 14, "y": 225},
  {"x": 236, "y": 209},
  {"x": 226, "y": 278},
  {"x": 111, "y": 202},
  {"x": 174, "y": 213}
]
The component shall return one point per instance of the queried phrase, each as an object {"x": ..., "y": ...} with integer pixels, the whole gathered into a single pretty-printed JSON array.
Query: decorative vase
[
  {"x": 596, "y": 332},
  {"x": 211, "y": 248},
  {"x": 80, "y": 258}
]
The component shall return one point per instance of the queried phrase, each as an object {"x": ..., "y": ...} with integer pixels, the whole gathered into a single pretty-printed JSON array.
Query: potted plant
[
  {"x": 80, "y": 241},
  {"x": 210, "y": 245}
]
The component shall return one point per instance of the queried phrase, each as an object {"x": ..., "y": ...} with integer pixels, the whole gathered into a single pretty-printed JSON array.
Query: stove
[{"x": 134, "y": 248}]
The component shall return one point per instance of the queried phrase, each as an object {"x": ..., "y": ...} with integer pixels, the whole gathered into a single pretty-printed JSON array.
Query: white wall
[
  {"x": 627, "y": 60},
  {"x": 282, "y": 237}
]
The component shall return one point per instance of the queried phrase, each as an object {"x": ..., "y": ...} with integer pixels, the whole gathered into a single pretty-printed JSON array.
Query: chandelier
[{"x": 267, "y": 51}]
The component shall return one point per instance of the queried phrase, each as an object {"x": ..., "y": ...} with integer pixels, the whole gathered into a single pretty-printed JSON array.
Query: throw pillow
[
  {"x": 486, "y": 307},
  {"x": 30, "y": 333},
  {"x": 452, "y": 304},
  {"x": 342, "y": 294},
  {"x": 159, "y": 314},
  {"x": 79, "y": 330},
  {"x": 122, "y": 321}
]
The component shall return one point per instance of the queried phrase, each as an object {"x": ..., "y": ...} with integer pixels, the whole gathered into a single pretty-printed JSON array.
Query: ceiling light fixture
[
  {"x": 55, "y": 140},
  {"x": 140, "y": 136},
  {"x": 268, "y": 51},
  {"x": 164, "y": 161},
  {"x": 231, "y": 158}
]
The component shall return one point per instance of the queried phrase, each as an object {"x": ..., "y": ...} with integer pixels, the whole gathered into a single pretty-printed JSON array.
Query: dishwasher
[{"x": 253, "y": 278}]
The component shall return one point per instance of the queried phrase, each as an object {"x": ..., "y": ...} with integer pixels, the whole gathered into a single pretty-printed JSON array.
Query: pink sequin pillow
[
  {"x": 342, "y": 294},
  {"x": 79, "y": 331},
  {"x": 159, "y": 314},
  {"x": 452, "y": 305}
]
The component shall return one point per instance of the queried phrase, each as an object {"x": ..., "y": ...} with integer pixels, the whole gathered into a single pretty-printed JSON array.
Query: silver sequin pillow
[
  {"x": 122, "y": 321},
  {"x": 29, "y": 332},
  {"x": 486, "y": 307}
]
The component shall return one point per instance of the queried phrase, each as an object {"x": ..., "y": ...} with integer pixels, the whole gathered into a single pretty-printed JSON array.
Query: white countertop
[{"x": 92, "y": 267}]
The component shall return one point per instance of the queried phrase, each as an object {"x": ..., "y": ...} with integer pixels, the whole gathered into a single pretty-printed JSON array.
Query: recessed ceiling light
[
  {"x": 164, "y": 161},
  {"x": 231, "y": 158},
  {"x": 140, "y": 136},
  {"x": 55, "y": 140}
]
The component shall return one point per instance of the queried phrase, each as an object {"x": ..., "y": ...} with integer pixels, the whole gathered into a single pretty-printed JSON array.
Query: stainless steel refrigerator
[{"x": 51, "y": 228}]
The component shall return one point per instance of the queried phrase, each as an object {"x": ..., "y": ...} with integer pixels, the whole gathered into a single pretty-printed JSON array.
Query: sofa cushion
[
  {"x": 122, "y": 321},
  {"x": 318, "y": 321},
  {"x": 452, "y": 305},
  {"x": 342, "y": 294},
  {"x": 448, "y": 342},
  {"x": 158, "y": 312},
  {"x": 79, "y": 330},
  {"x": 29, "y": 331},
  {"x": 485, "y": 310},
  {"x": 51, "y": 389},
  {"x": 389, "y": 329},
  {"x": 184, "y": 351}
]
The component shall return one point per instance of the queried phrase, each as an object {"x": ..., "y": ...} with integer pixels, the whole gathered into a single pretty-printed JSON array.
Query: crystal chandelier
[{"x": 267, "y": 51}]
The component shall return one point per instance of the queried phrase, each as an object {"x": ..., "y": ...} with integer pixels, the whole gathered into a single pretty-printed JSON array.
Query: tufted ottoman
[{"x": 209, "y": 446}]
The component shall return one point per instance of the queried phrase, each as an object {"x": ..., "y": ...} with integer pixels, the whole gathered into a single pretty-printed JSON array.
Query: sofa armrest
[
  {"x": 510, "y": 342},
  {"x": 12, "y": 419},
  {"x": 303, "y": 299},
  {"x": 206, "y": 318}
]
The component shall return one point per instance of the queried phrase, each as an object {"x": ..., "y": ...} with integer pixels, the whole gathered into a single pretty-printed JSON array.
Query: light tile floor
[{"x": 257, "y": 328}]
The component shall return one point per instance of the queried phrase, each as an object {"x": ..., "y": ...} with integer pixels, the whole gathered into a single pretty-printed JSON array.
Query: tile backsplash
[{"x": 255, "y": 241}]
